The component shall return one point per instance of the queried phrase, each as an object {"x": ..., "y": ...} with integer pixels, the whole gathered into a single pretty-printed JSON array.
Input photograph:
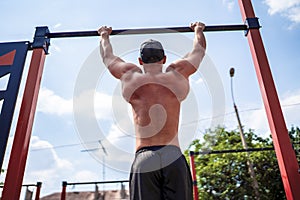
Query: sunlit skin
[{"x": 155, "y": 96}]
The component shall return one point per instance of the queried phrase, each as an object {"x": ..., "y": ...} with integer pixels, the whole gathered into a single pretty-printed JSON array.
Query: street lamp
[{"x": 244, "y": 143}]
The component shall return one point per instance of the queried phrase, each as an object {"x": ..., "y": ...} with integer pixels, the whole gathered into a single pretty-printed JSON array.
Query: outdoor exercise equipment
[
  {"x": 63, "y": 193},
  {"x": 38, "y": 187},
  {"x": 284, "y": 151},
  {"x": 151, "y": 31}
]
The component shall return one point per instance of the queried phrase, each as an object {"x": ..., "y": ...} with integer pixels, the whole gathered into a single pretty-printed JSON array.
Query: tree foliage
[
  {"x": 295, "y": 139},
  {"x": 226, "y": 176}
]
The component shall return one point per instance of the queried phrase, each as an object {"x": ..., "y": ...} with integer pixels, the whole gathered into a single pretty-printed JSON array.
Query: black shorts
[{"x": 160, "y": 173}]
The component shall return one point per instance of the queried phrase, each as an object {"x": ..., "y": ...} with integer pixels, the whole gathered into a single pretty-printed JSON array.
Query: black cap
[{"x": 151, "y": 51}]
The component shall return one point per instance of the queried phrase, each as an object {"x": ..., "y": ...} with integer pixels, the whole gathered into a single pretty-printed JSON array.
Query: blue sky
[{"x": 60, "y": 133}]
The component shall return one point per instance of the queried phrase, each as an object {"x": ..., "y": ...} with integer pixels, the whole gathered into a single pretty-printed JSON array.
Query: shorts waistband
[{"x": 156, "y": 148}]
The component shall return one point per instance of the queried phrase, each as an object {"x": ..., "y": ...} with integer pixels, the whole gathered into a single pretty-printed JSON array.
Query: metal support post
[
  {"x": 64, "y": 190},
  {"x": 38, "y": 190},
  {"x": 194, "y": 176},
  {"x": 19, "y": 152},
  {"x": 286, "y": 157}
]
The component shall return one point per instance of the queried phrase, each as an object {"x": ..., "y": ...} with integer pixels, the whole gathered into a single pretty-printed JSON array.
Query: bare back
[
  {"x": 155, "y": 96},
  {"x": 155, "y": 99}
]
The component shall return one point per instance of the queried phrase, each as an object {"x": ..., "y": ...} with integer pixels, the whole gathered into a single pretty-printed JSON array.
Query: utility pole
[{"x": 244, "y": 143}]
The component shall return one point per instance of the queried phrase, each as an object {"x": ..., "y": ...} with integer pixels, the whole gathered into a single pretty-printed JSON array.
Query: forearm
[
  {"x": 199, "y": 46},
  {"x": 106, "y": 51},
  {"x": 199, "y": 41}
]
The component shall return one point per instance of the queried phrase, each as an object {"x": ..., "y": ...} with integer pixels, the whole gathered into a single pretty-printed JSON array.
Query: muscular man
[{"x": 159, "y": 170}]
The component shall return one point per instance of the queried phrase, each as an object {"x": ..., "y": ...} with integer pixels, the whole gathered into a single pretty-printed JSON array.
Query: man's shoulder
[
  {"x": 177, "y": 64},
  {"x": 130, "y": 67},
  {"x": 182, "y": 67},
  {"x": 131, "y": 71}
]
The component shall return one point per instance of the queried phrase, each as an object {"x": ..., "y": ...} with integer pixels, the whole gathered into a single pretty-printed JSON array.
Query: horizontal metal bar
[
  {"x": 147, "y": 31},
  {"x": 233, "y": 151},
  {"x": 25, "y": 185},
  {"x": 29, "y": 185},
  {"x": 100, "y": 182}
]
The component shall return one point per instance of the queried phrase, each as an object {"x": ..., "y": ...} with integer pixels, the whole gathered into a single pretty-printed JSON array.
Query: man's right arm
[
  {"x": 199, "y": 46},
  {"x": 115, "y": 64}
]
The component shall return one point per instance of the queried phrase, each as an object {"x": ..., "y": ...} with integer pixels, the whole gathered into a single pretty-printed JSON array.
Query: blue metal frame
[{"x": 9, "y": 96}]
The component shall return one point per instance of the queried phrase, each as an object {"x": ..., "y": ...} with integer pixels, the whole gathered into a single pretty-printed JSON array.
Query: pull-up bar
[
  {"x": 251, "y": 23},
  {"x": 147, "y": 31},
  {"x": 43, "y": 35}
]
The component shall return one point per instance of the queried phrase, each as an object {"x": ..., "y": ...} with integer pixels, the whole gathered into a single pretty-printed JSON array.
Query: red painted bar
[
  {"x": 284, "y": 151},
  {"x": 18, "y": 157},
  {"x": 38, "y": 190},
  {"x": 64, "y": 190},
  {"x": 194, "y": 177}
]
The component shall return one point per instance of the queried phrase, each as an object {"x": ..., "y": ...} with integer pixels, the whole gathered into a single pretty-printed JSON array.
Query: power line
[
  {"x": 72, "y": 145},
  {"x": 230, "y": 113},
  {"x": 185, "y": 124},
  {"x": 63, "y": 146}
]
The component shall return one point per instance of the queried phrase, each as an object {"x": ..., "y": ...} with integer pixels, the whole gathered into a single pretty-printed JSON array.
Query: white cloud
[
  {"x": 90, "y": 104},
  {"x": 57, "y": 25},
  {"x": 287, "y": 8},
  {"x": 103, "y": 105},
  {"x": 44, "y": 164},
  {"x": 85, "y": 176},
  {"x": 199, "y": 81},
  {"x": 257, "y": 121},
  {"x": 40, "y": 148},
  {"x": 229, "y": 4},
  {"x": 276, "y": 6},
  {"x": 290, "y": 108},
  {"x": 115, "y": 133},
  {"x": 51, "y": 103}
]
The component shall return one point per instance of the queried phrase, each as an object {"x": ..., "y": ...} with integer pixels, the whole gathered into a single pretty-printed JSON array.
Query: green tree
[
  {"x": 295, "y": 139},
  {"x": 226, "y": 176}
]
